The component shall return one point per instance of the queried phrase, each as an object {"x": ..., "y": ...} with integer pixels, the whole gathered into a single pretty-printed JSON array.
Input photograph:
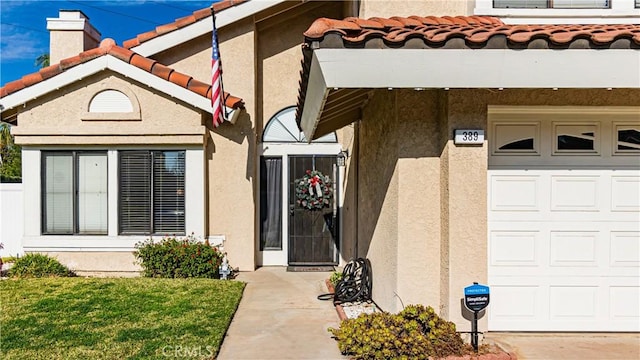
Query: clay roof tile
[
  {"x": 50, "y": 71},
  {"x": 387, "y": 23},
  {"x": 31, "y": 79},
  {"x": 407, "y": 21},
  {"x": 161, "y": 71},
  {"x": 121, "y": 53},
  {"x": 198, "y": 87},
  {"x": 11, "y": 87},
  {"x": 142, "y": 62},
  {"x": 163, "y": 29},
  {"x": 184, "y": 21},
  {"x": 179, "y": 79},
  {"x": 128, "y": 44},
  {"x": 70, "y": 62}
]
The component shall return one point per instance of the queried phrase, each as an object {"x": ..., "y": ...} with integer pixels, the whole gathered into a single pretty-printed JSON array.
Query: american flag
[{"x": 217, "y": 100}]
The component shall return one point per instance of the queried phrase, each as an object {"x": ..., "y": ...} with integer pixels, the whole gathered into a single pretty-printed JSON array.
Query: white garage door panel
[
  {"x": 564, "y": 250},
  {"x": 564, "y": 304},
  {"x": 625, "y": 193}
]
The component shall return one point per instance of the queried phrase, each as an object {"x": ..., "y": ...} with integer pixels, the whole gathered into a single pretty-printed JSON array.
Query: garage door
[{"x": 564, "y": 220}]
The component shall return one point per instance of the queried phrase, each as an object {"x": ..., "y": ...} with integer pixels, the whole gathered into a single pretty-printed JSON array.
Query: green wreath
[{"x": 313, "y": 190}]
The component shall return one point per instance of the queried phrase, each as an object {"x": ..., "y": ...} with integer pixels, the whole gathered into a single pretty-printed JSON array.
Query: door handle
[{"x": 291, "y": 208}]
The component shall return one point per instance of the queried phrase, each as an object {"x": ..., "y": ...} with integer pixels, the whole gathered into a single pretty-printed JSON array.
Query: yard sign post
[{"x": 476, "y": 299}]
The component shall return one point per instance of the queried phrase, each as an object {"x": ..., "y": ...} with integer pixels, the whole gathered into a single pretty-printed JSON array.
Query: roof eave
[
  {"x": 202, "y": 27},
  {"x": 461, "y": 68},
  {"x": 94, "y": 66}
]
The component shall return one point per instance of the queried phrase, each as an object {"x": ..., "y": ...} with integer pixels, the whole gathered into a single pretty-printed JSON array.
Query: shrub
[
  {"x": 417, "y": 332},
  {"x": 178, "y": 258},
  {"x": 336, "y": 276},
  {"x": 38, "y": 265}
]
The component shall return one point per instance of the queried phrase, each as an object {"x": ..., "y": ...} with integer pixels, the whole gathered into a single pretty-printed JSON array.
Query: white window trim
[
  {"x": 285, "y": 150},
  {"x": 608, "y": 118},
  {"x": 621, "y": 12},
  {"x": 33, "y": 240},
  {"x": 596, "y": 138},
  {"x": 111, "y": 85},
  {"x": 614, "y": 140},
  {"x": 536, "y": 138}
]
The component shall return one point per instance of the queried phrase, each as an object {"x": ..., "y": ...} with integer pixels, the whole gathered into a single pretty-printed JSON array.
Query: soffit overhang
[
  {"x": 167, "y": 36},
  {"x": 344, "y": 60}
]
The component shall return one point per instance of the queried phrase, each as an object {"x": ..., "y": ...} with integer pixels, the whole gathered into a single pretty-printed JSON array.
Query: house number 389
[{"x": 468, "y": 137}]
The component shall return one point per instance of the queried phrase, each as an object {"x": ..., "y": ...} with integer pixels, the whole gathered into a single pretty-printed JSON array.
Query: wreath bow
[{"x": 313, "y": 190}]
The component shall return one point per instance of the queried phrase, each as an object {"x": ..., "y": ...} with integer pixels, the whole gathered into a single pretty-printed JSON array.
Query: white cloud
[{"x": 20, "y": 45}]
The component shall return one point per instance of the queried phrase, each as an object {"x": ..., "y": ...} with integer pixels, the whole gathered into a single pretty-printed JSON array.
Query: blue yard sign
[{"x": 476, "y": 297}]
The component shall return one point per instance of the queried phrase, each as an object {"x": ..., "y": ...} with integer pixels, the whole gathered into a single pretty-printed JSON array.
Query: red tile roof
[
  {"x": 475, "y": 31},
  {"x": 108, "y": 46},
  {"x": 180, "y": 23}
]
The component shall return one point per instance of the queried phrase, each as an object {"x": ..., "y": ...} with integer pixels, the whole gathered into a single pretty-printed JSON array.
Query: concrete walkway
[{"x": 280, "y": 317}]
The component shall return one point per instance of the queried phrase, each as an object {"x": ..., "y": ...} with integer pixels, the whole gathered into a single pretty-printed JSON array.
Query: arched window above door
[{"x": 282, "y": 128}]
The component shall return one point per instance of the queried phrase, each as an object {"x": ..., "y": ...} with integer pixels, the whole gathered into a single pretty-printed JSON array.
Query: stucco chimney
[{"x": 70, "y": 34}]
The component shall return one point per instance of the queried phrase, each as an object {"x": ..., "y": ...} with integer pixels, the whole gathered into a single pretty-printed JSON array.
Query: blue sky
[{"x": 24, "y": 35}]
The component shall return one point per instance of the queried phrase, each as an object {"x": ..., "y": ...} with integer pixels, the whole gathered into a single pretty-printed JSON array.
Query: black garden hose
[{"x": 355, "y": 284}]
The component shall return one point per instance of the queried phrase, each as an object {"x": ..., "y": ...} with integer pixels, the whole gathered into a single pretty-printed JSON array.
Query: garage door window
[
  {"x": 516, "y": 138},
  {"x": 628, "y": 139},
  {"x": 576, "y": 138}
]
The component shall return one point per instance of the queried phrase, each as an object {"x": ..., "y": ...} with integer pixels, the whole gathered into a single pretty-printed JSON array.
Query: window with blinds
[
  {"x": 74, "y": 192},
  {"x": 553, "y": 4},
  {"x": 151, "y": 193}
]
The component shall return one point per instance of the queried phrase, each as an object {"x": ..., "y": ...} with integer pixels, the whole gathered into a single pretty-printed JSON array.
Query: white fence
[{"x": 11, "y": 219}]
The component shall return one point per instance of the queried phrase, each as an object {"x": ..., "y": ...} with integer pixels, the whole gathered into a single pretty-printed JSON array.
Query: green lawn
[{"x": 135, "y": 318}]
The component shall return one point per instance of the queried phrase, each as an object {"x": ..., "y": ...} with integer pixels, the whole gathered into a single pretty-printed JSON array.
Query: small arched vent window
[
  {"x": 283, "y": 128},
  {"x": 110, "y": 101}
]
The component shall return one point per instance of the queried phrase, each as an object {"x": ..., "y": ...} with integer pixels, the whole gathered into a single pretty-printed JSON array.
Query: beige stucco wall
[
  {"x": 231, "y": 153},
  {"x": 389, "y": 8},
  {"x": 230, "y": 148},
  {"x": 422, "y": 201},
  {"x": 57, "y": 118},
  {"x": 261, "y": 64},
  {"x": 378, "y": 196},
  {"x": 102, "y": 263},
  {"x": 399, "y": 192}
]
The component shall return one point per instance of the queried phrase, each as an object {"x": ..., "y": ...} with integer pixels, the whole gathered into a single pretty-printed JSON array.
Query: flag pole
[{"x": 225, "y": 115}]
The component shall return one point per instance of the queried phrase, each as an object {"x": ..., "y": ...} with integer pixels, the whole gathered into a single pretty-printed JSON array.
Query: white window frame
[
  {"x": 76, "y": 211},
  {"x": 596, "y": 138},
  {"x": 536, "y": 138},
  {"x": 34, "y": 241},
  {"x": 620, "y": 12},
  {"x": 153, "y": 207},
  {"x": 614, "y": 140},
  {"x": 605, "y": 156}
]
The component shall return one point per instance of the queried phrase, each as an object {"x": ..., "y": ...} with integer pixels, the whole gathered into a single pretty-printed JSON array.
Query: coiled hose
[{"x": 355, "y": 284}]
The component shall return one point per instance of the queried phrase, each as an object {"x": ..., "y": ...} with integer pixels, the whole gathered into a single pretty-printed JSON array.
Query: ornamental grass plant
[{"x": 37, "y": 266}]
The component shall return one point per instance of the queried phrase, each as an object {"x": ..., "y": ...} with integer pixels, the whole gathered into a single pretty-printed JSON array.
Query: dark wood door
[{"x": 312, "y": 233}]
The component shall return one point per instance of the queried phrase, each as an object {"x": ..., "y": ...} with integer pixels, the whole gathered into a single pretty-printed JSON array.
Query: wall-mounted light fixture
[{"x": 342, "y": 158}]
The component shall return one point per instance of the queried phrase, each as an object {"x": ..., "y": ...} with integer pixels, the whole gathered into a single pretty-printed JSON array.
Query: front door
[{"x": 312, "y": 233}]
